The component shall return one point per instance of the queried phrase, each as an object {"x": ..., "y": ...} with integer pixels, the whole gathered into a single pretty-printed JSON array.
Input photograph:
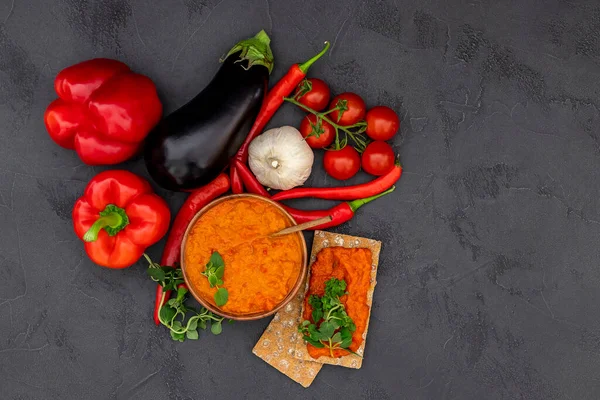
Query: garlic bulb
[{"x": 280, "y": 158}]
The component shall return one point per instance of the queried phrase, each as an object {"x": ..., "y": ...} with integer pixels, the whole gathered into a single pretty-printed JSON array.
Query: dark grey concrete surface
[{"x": 489, "y": 282}]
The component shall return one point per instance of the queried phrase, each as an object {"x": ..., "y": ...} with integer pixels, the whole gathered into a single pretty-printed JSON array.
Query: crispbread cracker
[
  {"x": 326, "y": 239},
  {"x": 277, "y": 344}
]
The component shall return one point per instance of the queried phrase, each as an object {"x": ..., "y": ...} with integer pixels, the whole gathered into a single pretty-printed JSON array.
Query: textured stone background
[{"x": 489, "y": 282}]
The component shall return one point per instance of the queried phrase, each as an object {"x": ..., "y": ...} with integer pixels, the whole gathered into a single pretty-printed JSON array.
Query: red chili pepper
[
  {"x": 172, "y": 251},
  {"x": 274, "y": 100},
  {"x": 104, "y": 111},
  {"x": 118, "y": 216},
  {"x": 237, "y": 186},
  {"x": 339, "y": 214},
  {"x": 250, "y": 182},
  {"x": 345, "y": 192}
]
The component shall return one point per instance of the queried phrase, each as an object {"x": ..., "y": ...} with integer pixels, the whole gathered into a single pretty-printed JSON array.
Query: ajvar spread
[
  {"x": 354, "y": 266},
  {"x": 259, "y": 271}
]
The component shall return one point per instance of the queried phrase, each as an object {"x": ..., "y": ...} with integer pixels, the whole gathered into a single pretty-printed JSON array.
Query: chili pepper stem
[
  {"x": 305, "y": 66},
  {"x": 356, "y": 204},
  {"x": 112, "y": 219}
]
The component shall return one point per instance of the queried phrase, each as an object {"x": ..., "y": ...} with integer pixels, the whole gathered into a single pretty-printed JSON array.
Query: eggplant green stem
[
  {"x": 112, "y": 219},
  {"x": 256, "y": 50},
  {"x": 305, "y": 66},
  {"x": 356, "y": 204}
]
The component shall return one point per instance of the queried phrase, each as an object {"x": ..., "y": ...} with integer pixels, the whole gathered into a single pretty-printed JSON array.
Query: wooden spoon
[{"x": 301, "y": 227}]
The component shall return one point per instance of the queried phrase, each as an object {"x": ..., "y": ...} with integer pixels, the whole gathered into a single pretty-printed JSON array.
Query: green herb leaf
[
  {"x": 168, "y": 270},
  {"x": 221, "y": 297},
  {"x": 335, "y": 288},
  {"x": 177, "y": 325},
  {"x": 315, "y": 301},
  {"x": 337, "y": 337},
  {"x": 219, "y": 282},
  {"x": 315, "y": 343},
  {"x": 335, "y": 331},
  {"x": 219, "y": 272},
  {"x": 346, "y": 337},
  {"x": 317, "y": 314},
  {"x": 351, "y": 326},
  {"x": 326, "y": 329},
  {"x": 313, "y": 331},
  {"x": 175, "y": 313},
  {"x": 181, "y": 292},
  {"x": 317, "y": 306},
  {"x": 216, "y": 327},
  {"x": 335, "y": 323},
  {"x": 180, "y": 337},
  {"x": 157, "y": 274},
  {"x": 167, "y": 313},
  {"x": 212, "y": 280},
  {"x": 216, "y": 260},
  {"x": 193, "y": 335}
]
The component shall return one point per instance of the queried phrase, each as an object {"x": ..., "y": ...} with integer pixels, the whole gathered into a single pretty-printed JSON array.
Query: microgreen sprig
[
  {"x": 335, "y": 330},
  {"x": 215, "y": 268},
  {"x": 182, "y": 320}
]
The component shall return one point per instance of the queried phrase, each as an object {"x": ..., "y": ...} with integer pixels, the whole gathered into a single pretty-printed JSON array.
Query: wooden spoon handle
[{"x": 301, "y": 227}]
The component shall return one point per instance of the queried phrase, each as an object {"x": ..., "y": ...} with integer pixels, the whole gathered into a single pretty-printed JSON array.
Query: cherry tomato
[
  {"x": 326, "y": 132},
  {"x": 342, "y": 164},
  {"x": 316, "y": 94},
  {"x": 378, "y": 158},
  {"x": 382, "y": 123},
  {"x": 355, "y": 109}
]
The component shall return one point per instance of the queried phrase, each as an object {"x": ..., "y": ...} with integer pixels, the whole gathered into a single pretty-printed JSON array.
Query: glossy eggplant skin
[{"x": 191, "y": 146}]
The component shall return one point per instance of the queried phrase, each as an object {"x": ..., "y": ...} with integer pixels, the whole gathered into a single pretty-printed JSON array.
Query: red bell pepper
[
  {"x": 118, "y": 216},
  {"x": 104, "y": 111}
]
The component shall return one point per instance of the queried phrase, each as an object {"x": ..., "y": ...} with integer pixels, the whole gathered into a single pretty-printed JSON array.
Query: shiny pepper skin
[{"x": 104, "y": 111}]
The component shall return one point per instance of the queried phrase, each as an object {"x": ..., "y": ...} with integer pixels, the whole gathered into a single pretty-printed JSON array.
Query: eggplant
[{"x": 195, "y": 143}]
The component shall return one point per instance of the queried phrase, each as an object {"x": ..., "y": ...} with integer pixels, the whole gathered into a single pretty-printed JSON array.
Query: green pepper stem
[
  {"x": 356, "y": 204},
  {"x": 112, "y": 219},
  {"x": 305, "y": 66}
]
